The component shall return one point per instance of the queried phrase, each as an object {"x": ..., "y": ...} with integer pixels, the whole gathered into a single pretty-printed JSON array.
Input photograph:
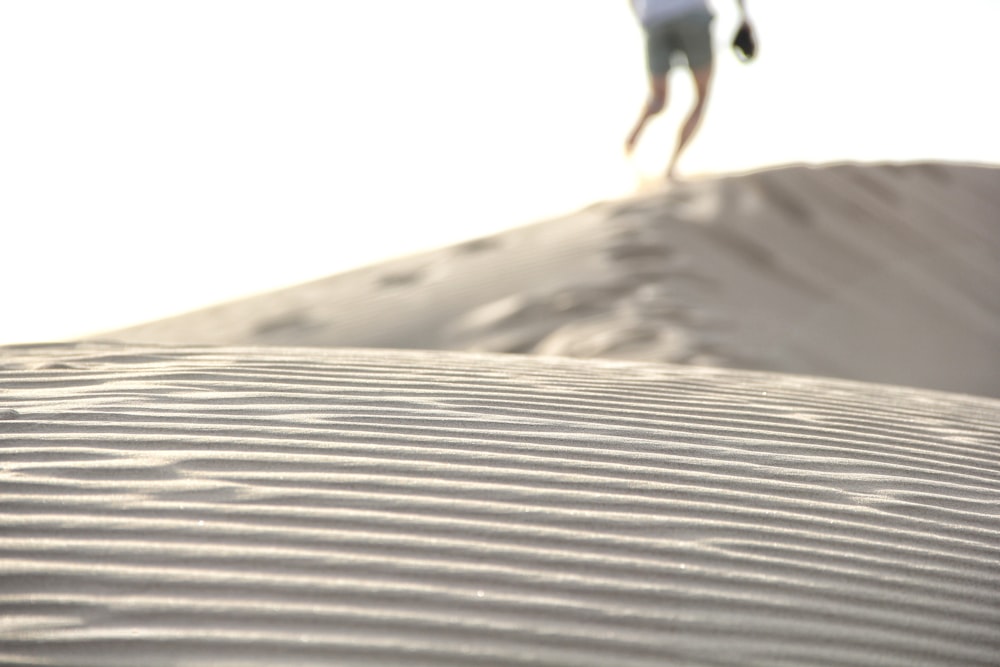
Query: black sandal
[{"x": 744, "y": 43}]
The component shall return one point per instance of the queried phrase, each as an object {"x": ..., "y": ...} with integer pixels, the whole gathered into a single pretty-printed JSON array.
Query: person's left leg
[
  {"x": 654, "y": 105},
  {"x": 659, "y": 49},
  {"x": 703, "y": 81}
]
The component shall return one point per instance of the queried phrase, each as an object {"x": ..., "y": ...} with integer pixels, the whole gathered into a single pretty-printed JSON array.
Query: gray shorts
[{"x": 690, "y": 34}]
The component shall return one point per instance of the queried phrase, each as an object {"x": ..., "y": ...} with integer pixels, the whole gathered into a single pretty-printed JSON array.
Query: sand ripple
[{"x": 234, "y": 506}]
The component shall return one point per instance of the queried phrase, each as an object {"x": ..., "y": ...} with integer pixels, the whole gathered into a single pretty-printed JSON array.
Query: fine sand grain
[
  {"x": 882, "y": 273},
  {"x": 224, "y": 506}
]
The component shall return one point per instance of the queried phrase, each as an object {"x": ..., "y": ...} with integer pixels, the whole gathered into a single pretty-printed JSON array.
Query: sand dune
[
  {"x": 252, "y": 503},
  {"x": 207, "y": 506},
  {"x": 884, "y": 273}
]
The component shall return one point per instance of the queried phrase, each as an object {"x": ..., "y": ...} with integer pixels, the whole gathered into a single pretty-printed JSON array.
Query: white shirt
[{"x": 651, "y": 12}]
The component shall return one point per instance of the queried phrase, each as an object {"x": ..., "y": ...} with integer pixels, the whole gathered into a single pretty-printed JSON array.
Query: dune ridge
[
  {"x": 880, "y": 272},
  {"x": 200, "y": 505}
]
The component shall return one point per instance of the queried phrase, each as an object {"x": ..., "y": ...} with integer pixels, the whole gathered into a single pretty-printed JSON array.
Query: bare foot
[
  {"x": 672, "y": 173},
  {"x": 630, "y": 142}
]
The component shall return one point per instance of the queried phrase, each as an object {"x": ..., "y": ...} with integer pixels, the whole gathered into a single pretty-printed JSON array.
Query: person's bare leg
[
  {"x": 654, "y": 105},
  {"x": 702, "y": 81}
]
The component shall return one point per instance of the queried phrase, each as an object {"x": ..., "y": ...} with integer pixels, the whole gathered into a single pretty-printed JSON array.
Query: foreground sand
[
  {"x": 306, "y": 506},
  {"x": 883, "y": 273}
]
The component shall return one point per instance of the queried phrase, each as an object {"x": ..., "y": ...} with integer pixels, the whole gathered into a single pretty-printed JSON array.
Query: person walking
[{"x": 674, "y": 27}]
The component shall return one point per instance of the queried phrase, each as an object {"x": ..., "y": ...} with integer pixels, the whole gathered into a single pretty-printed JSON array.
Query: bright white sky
[{"x": 158, "y": 156}]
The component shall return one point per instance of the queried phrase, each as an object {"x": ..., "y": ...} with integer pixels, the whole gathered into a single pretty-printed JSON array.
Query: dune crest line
[{"x": 885, "y": 273}]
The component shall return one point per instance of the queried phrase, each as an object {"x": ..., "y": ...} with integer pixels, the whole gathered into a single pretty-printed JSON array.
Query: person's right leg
[
  {"x": 694, "y": 35},
  {"x": 702, "y": 80}
]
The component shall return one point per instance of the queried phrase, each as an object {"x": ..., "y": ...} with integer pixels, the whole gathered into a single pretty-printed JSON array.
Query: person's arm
[{"x": 744, "y": 19}]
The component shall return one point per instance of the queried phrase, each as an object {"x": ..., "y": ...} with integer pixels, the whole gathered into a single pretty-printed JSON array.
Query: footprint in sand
[
  {"x": 293, "y": 321},
  {"x": 636, "y": 250},
  {"x": 476, "y": 246},
  {"x": 401, "y": 278}
]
